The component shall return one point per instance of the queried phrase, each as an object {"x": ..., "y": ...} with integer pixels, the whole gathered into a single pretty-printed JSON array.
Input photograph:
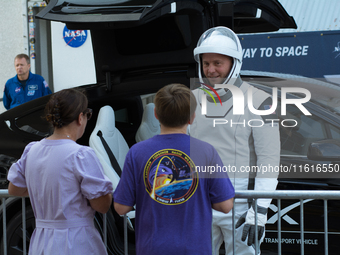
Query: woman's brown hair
[{"x": 65, "y": 106}]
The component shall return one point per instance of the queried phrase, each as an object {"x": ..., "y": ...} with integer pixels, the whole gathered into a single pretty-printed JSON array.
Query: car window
[
  {"x": 299, "y": 131},
  {"x": 335, "y": 132},
  {"x": 34, "y": 123}
]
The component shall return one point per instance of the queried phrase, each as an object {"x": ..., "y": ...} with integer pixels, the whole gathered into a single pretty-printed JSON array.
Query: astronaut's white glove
[{"x": 248, "y": 218}]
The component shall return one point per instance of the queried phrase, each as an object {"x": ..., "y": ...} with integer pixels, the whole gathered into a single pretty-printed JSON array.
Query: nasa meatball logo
[
  {"x": 170, "y": 177},
  {"x": 74, "y": 38}
]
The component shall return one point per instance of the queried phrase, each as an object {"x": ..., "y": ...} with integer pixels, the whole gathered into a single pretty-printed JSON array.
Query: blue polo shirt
[{"x": 15, "y": 94}]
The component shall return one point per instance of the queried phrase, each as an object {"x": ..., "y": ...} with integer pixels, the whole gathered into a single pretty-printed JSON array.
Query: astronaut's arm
[{"x": 267, "y": 150}]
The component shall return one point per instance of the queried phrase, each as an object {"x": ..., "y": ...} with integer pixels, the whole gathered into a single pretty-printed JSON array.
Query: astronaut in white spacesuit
[{"x": 248, "y": 143}]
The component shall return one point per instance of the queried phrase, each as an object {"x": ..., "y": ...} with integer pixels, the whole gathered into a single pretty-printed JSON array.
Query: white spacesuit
[{"x": 248, "y": 143}]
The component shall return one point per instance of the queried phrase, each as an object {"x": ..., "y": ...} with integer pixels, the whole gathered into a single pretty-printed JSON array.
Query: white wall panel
[{"x": 313, "y": 15}]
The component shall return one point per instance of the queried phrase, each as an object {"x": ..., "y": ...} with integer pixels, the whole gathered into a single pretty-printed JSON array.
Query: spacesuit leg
[
  {"x": 217, "y": 234},
  {"x": 241, "y": 248}
]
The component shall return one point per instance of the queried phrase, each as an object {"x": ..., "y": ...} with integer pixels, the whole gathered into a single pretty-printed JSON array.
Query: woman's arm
[
  {"x": 101, "y": 204},
  {"x": 17, "y": 191}
]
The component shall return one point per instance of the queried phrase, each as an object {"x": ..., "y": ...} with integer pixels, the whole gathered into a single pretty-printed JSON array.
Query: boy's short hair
[{"x": 175, "y": 104}]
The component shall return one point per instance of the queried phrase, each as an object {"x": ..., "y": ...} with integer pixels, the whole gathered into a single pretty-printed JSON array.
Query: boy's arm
[
  {"x": 125, "y": 192},
  {"x": 122, "y": 209},
  {"x": 224, "y": 206}
]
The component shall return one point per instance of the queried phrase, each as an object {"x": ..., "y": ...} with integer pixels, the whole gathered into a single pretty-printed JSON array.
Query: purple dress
[{"x": 61, "y": 176}]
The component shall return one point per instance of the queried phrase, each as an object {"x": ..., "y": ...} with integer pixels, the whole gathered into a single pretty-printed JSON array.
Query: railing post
[
  {"x": 105, "y": 229},
  {"x": 23, "y": 206},
  {"x": 4, "y": 225},
  {"x": 325, "y": 210},
  {"x": 233, "y": 222},
  {"x": 279, "y": 226},
  {"x": 302, "y": 228},
  {"x": 256, "y": 229},
  {"x": 125, "y": 235}
]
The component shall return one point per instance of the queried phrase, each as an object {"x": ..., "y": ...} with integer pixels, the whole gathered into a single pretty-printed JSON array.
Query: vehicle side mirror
[{"x": 324, "y": 150}]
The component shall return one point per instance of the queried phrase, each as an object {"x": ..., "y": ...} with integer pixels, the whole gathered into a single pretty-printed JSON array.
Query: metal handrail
[
  {"x": 3, "y": 195},
  {"x": 292, "y": 194},
  {"x": 289, "y": 194},
  {"x": 277, "y": 194}
]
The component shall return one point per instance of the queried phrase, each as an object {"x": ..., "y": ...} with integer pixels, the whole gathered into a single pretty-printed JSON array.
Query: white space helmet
[{"x": 221, "y": 40}]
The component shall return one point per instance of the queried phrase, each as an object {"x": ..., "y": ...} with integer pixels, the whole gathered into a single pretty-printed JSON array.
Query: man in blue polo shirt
[{"x": 25, "y": 86}]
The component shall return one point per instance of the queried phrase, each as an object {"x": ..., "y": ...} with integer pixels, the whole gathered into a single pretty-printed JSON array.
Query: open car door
[
  {"x": 243, "y": 16},
  {"x": 144, "y": 34}
]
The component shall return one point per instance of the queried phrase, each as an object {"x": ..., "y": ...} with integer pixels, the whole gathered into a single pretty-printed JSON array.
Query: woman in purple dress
[{"x": 64, "y": 180}]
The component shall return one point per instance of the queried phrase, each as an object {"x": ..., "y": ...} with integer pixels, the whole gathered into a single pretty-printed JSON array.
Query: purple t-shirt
[
  {"x": 61, "y": 176},
  {"x": 173, "y": 200}
]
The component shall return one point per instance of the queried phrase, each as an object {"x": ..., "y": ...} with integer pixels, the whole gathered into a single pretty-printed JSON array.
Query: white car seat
[
  {"x": 115, "y": 141},
  {"x": 149, "y": 126}
]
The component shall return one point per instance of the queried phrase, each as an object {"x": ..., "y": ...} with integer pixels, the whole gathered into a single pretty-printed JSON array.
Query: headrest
[
  {"x": 106, "y": 121},
  {"x": 149, "y": 117}
]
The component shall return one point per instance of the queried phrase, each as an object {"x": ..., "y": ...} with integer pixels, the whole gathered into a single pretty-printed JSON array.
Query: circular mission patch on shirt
[{"x": 170, "y": 177}]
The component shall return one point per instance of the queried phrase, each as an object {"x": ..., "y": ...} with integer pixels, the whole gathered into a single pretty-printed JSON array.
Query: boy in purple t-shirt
[{"x": 166, "y": 178}]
